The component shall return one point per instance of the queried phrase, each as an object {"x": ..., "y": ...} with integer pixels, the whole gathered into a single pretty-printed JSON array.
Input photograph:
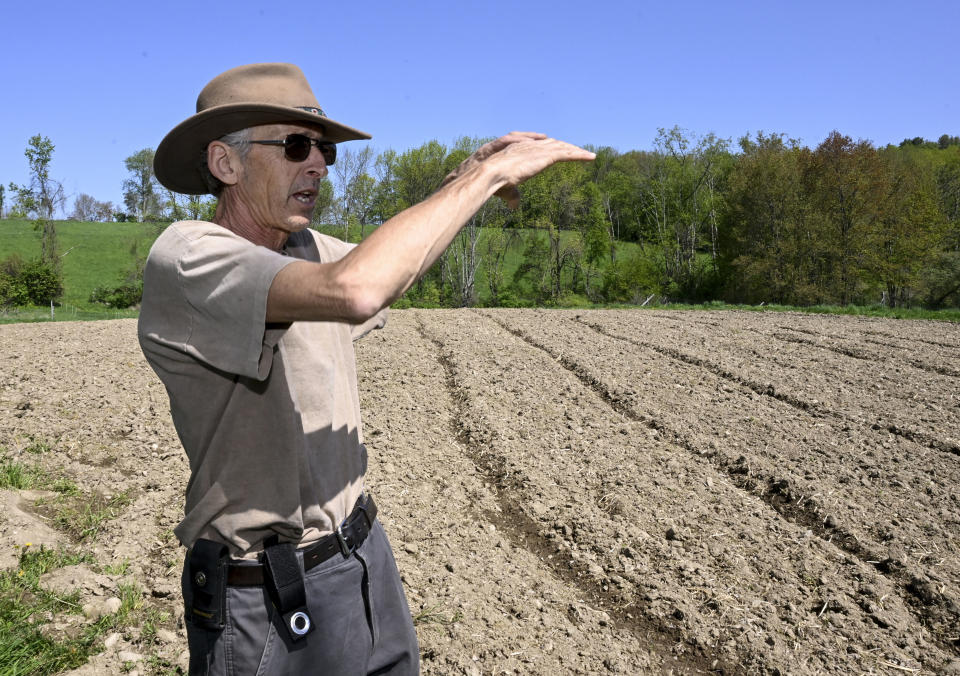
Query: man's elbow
[
  {"x": 361, "y": 299},
  {"x": 362, "y": 309}
]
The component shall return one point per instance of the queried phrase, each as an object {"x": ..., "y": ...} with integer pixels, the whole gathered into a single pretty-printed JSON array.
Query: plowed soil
[{"x": 576, "y": 491}]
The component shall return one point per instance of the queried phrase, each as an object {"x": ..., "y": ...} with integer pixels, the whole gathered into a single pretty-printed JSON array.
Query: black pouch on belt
[
  {"x": 284, "y": 580},
  {"x": 208, "y": 584}
]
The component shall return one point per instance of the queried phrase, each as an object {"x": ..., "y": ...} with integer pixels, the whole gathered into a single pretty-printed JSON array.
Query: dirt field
[{"x": 576, "y": 491}]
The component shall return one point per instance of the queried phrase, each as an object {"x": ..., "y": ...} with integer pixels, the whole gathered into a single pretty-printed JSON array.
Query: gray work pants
[{"x": 362, "y": 623}]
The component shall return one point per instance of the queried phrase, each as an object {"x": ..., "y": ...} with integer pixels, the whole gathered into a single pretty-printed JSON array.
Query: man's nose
[{"x": 316, "y": 165}]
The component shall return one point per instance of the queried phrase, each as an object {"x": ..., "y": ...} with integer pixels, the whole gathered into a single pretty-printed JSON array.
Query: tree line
[{"x": 694, "y": 219}]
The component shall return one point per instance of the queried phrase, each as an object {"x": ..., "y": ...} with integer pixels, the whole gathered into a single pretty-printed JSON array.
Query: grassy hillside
[{"x": 93, "y": 254}]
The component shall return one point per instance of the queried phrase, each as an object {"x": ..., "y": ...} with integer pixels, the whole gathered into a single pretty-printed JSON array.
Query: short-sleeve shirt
[{"x": 268, "y": 414}]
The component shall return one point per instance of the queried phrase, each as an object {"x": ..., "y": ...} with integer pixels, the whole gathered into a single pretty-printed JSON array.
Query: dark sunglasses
[{"x": 296, "y": 148}]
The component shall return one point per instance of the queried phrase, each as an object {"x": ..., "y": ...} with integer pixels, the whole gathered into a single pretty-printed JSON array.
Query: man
[{"x": 249, "y": 322}]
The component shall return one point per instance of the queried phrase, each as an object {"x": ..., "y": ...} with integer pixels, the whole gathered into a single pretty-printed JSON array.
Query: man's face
[{"x": 276, "y": 193}]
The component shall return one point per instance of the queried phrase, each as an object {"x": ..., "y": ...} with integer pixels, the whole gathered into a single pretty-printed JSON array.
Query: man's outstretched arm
[{"x": 396, "y": 254}]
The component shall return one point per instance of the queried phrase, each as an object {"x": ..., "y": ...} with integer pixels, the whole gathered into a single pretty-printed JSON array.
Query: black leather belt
[{"x": 348, "y": 536}]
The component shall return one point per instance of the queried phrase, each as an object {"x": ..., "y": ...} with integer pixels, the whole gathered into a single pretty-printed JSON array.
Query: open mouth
[{"x": 306, "y": 197}]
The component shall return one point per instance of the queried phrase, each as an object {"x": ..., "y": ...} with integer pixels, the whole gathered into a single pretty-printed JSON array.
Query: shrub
[
  {"x": 428, "y": 296},
  {"x": 12, "y": 291},
  {"x": 44, "y": 284},
  {"x": 571, "y": 300},
  {"x": 123, "y": 296},
  {"x": 513, "y": 297},
  {"x": 28, "y": 282},
  {"x": 129, "y": 291},
  {"x": 11, "y": 266},
  {"x": 941, "y": 281},
  {"x": 629, "y": 279}
]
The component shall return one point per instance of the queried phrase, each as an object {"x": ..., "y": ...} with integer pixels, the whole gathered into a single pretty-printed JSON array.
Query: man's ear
[{"x": 223, "y": 163}]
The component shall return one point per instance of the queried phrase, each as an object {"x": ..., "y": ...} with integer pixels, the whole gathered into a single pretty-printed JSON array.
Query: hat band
[{"x": 312, "y": 109}]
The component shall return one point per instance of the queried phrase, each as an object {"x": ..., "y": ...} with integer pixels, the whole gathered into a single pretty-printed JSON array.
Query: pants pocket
[
  {"x": 249, "y": 631},
  {"x": 269, "y": 649}
]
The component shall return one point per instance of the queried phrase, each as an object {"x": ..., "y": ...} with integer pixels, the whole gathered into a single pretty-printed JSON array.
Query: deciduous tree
[
  {"x": 946, "y": 140},
  {"x": 948, "y": 194},
  {"x": 596, "y": 240},
  {"x": 683, "y": 204},
  {"x": 908, "y": 232},
  {"x": 139, "y": 190},
  {"x": 324, "y": 205},
  {"x": 554, "y": 202},
  {"x": 406, "y": 179},
  {"x": 355, "y": 187},
  {"x": 496, "y": 244},
  {"x": 86, "y": 208},
  {"x": 848, "y": 186},
  {"x": 83, "y": 206},
  {"x": 766, "y": 221},
  {"x": 41, "y": 197},
  {"x": 38, "y": 281}
]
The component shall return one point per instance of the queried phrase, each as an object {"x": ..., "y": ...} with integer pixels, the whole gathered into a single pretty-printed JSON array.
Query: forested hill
[{"x": 696, "y": 218}]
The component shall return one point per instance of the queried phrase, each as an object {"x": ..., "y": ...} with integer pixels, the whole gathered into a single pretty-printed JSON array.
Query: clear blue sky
[{"x": 105, "y": 79}]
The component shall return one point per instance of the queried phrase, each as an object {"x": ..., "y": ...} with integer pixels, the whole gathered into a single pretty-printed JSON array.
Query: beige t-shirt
[{"x": 268, "y": 414}]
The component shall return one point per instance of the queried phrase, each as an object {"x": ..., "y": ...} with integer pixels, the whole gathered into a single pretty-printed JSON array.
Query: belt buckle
[{"x": 342, "y": 541}]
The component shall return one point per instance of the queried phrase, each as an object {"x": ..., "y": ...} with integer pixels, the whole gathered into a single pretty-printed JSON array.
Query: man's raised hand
[{"x": 518, "y": 156}]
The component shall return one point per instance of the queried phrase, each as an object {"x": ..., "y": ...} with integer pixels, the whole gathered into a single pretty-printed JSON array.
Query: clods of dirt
[{"x": 569, "y": 491}]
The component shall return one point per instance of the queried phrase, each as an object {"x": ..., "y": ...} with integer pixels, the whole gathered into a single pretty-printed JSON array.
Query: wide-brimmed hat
[{"x": 261, "y": 93}]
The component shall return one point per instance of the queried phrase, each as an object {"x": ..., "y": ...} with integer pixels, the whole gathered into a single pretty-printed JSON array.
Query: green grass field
[{"x": 93, "y": 254}]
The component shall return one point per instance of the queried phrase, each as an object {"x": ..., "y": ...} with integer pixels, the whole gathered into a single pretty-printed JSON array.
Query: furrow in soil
[
  {"x": 881, "y": 391},
  {"x": 952, "y": 348},
  {"x": 796, "y": 463},
  {"x": 837, "y": 344},
  {"x": 483, "y": 602},
  {"x": 509, "y": 487}
]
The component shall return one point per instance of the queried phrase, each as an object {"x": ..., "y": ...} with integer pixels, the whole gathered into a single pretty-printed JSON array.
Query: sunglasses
[{"x": 296, "y": 148}]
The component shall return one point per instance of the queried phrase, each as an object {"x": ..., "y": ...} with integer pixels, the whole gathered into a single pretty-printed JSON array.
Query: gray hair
[{"x": 239, "y": 141}]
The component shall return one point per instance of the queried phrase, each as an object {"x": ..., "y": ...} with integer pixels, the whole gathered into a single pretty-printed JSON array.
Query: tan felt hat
[{"x": 261, "y": 93}]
